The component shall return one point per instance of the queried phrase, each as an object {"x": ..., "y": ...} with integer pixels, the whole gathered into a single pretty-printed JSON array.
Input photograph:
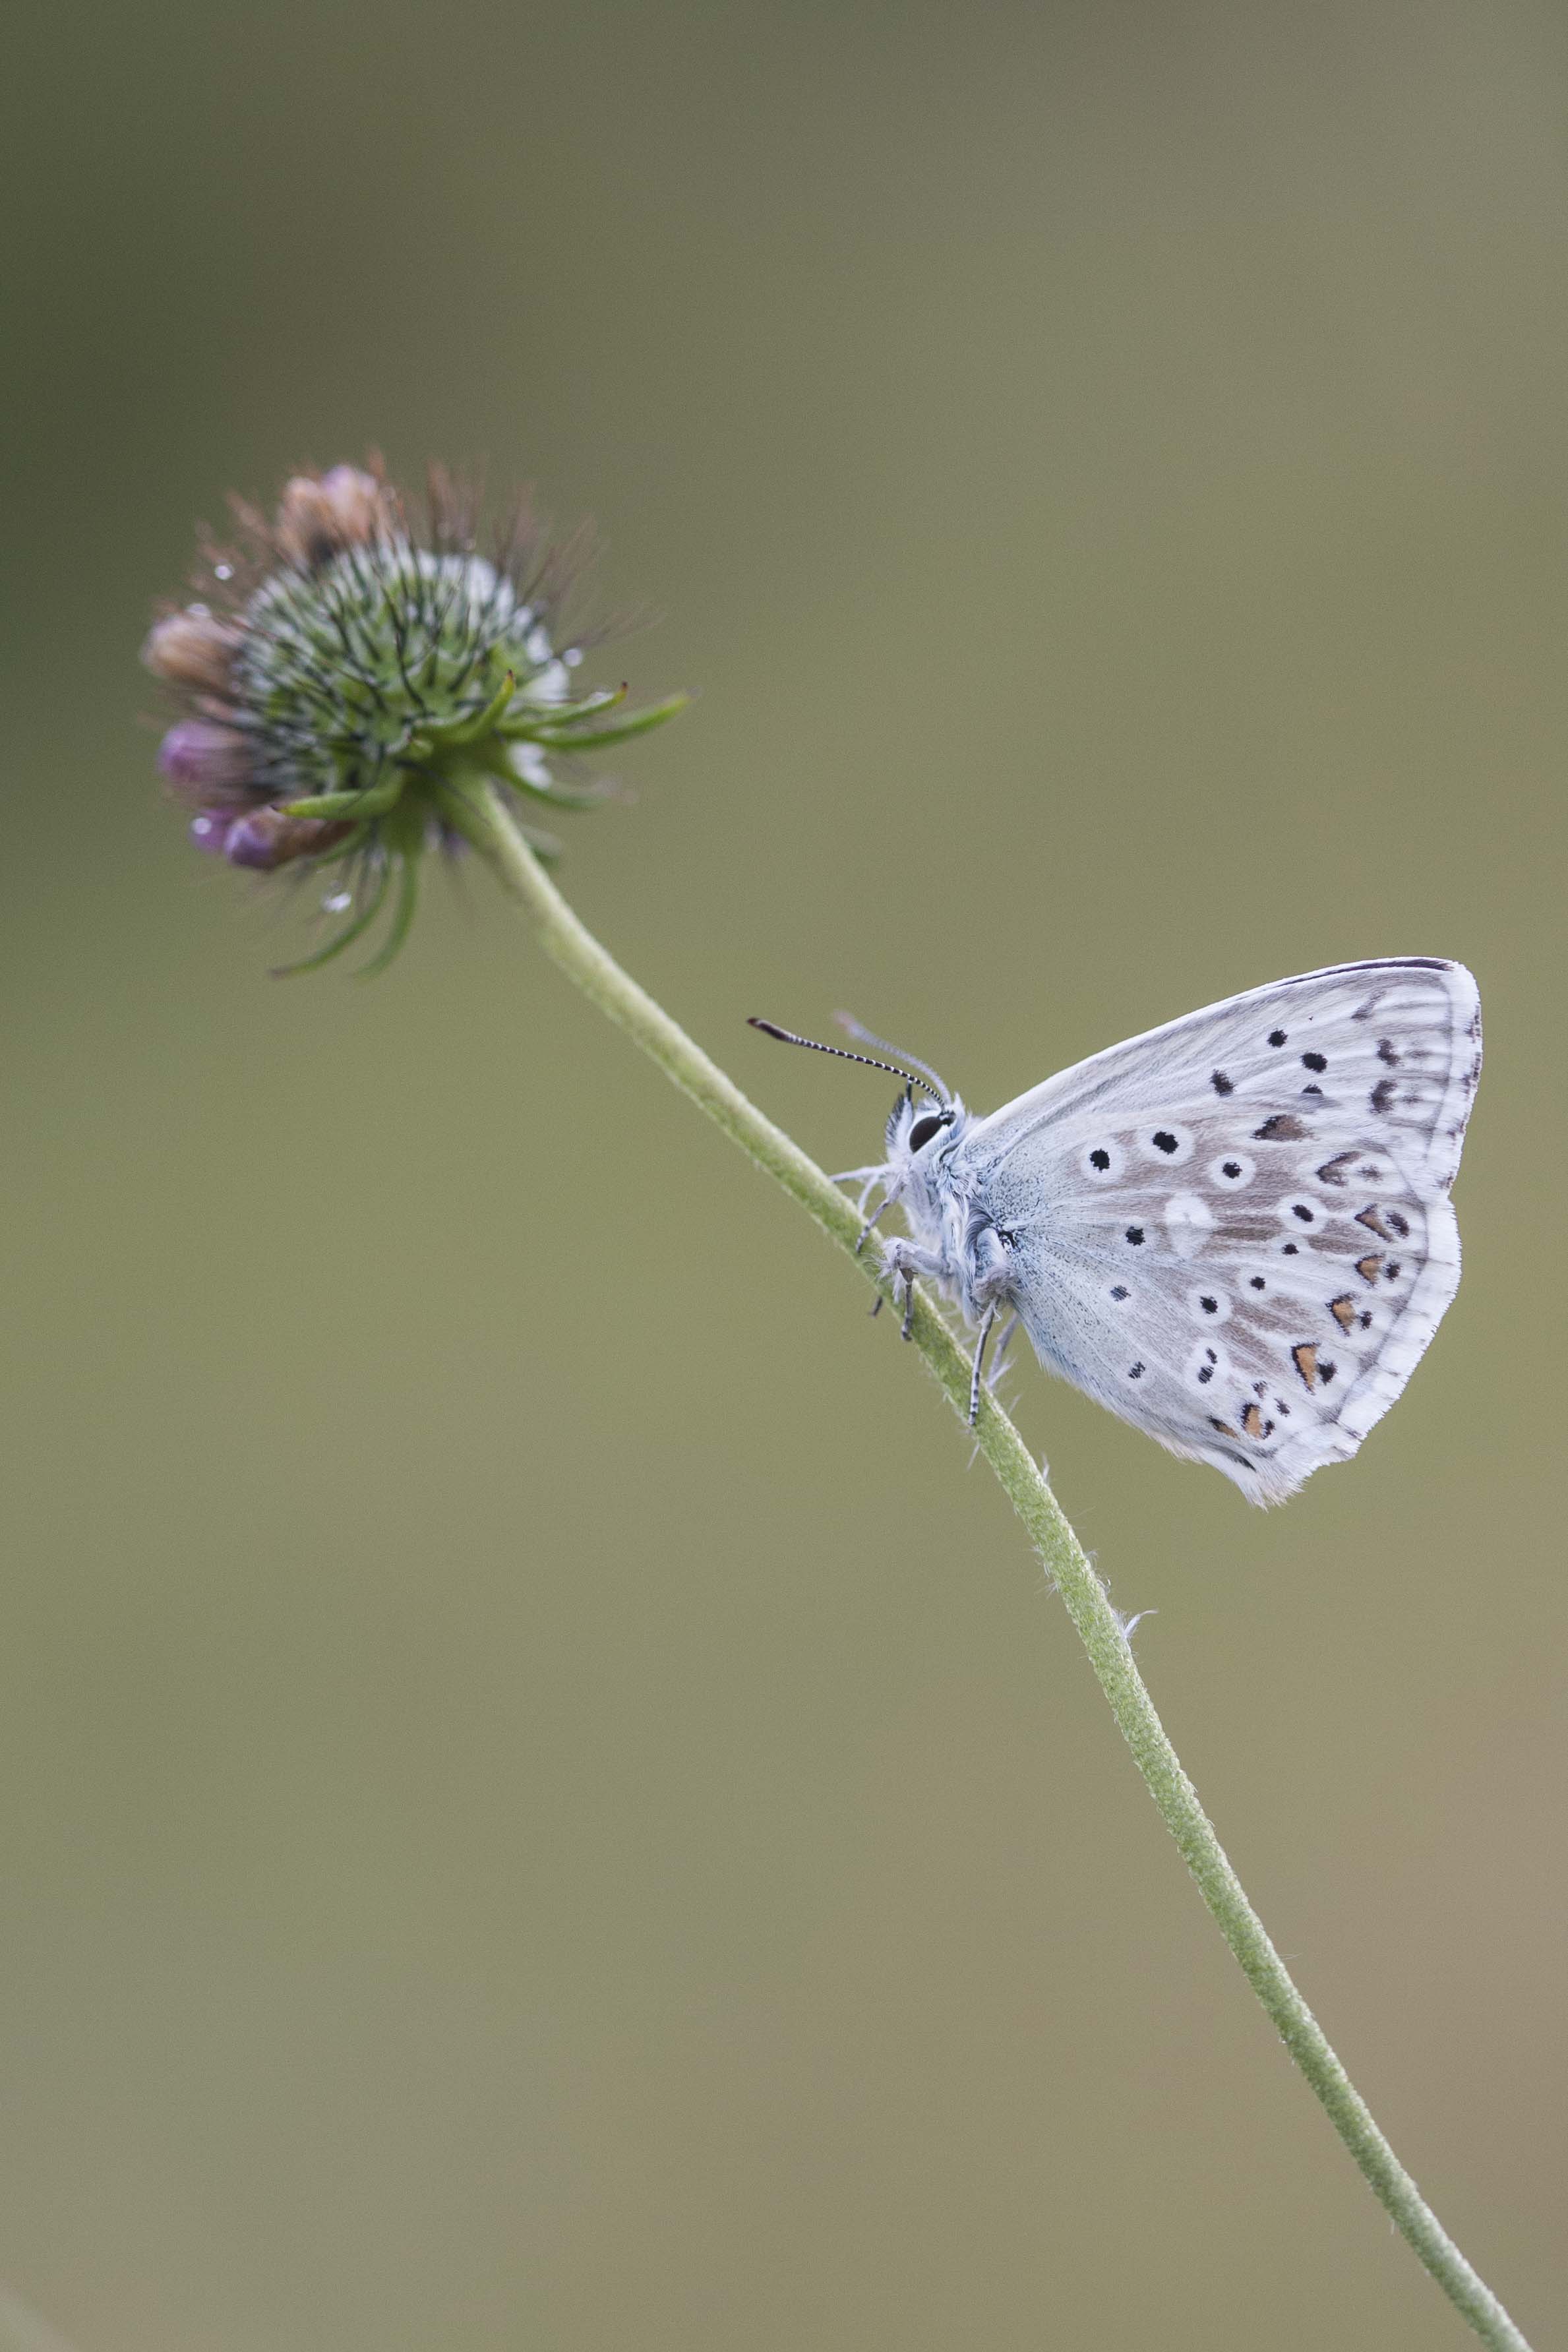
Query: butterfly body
[{"x": 1233, "y": 1230}]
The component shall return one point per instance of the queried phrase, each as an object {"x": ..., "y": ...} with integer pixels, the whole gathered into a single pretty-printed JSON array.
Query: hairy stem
[{"x": 480, "y": 812}]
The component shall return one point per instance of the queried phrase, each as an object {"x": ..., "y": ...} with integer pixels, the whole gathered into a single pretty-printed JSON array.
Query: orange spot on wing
[{"x": 1283, "y": 1127}]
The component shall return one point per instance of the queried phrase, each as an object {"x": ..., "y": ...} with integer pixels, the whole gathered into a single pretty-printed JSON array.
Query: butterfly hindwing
[{"x": 1235, "y": 1231}]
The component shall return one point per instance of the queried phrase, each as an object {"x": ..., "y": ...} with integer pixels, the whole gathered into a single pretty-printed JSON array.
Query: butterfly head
[
  {"x": 917, "y": 1173},
  {"x": 918, "y": 1127},
  {"x": 925, "y": 1116}
]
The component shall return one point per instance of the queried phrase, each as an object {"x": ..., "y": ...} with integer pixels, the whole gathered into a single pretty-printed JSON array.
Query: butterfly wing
[{"x": 1235, "y": 1229}]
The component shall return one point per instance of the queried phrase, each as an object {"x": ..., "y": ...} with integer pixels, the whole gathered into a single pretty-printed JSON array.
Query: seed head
[{"x": 350, "y": 677}]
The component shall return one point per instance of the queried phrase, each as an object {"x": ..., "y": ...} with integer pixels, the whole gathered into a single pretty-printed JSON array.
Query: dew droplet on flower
[{"x": 336, "y": 901}]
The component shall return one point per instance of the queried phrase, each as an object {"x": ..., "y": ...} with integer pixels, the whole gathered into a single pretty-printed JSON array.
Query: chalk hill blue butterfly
[{"x": 1235, "y": 1231}]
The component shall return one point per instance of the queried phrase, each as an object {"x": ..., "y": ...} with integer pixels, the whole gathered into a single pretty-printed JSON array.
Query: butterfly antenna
[
  {"x": 788, "y": 1038},
  {"x": 858, "y": 1029}
]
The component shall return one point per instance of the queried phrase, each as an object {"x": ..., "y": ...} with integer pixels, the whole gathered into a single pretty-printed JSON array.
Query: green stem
[{"x": 483, "y": 816}]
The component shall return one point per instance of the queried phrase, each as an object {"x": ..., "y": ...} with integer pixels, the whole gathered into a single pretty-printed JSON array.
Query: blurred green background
[{"x": 538, "y": 1804}]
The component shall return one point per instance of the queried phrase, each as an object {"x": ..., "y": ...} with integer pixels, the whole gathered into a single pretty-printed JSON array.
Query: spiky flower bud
[{"x": 351, "y": 678}]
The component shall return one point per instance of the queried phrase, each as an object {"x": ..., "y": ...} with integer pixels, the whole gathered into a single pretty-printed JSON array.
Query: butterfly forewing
[{"x": 1235, "y": 1229}]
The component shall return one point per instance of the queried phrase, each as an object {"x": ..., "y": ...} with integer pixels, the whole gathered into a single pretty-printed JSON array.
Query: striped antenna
[{"x": 788, "y": 1038}]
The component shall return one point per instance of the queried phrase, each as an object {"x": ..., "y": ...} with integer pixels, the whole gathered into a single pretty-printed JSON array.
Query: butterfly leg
[
  {"x": 978, "y": 1363},
  {"x": 863, "y": 1177},
  {"x": 881, "y": 1211},
  {"x": 901, "y": 1261},
  {"x": 865, "y": 1181}
]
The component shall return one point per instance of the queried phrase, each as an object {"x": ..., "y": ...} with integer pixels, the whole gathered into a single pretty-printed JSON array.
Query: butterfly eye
[{"x": 924, "y": 1129}]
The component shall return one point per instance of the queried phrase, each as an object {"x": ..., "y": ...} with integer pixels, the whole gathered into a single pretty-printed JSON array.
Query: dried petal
[
  {"x": 266, "y": 839},
  {"x": 199, "y": 757},
  {"x": 192, "y": 650},
  {"x": 319, "y": 516}
]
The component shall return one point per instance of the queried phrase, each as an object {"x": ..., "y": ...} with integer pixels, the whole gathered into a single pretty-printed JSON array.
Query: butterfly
[{"x": 1233, "y": 1230}]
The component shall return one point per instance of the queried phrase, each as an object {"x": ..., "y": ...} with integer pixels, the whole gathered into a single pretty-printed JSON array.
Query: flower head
[{"x": 350, "y": 678}]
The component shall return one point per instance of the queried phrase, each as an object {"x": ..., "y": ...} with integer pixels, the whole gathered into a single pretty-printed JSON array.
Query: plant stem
[{"x": 481, "y": 813}]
